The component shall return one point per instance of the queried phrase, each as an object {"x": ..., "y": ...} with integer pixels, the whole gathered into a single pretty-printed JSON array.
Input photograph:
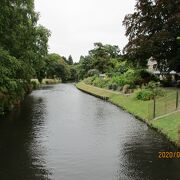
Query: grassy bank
[{"x": 168, "y": 125}]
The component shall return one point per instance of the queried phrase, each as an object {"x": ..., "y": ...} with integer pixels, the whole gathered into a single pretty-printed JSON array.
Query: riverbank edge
[
  {"x": 33, "y": 85},
  {"x": 81, "y": 87}
]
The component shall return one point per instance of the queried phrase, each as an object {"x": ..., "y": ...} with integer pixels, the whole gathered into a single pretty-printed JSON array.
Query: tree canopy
[
  {"x": 153, "y": 30},
  {"x": 56, "y": 67},
  {"x": 103, "y": 58},
  {"x": 21, "y": 36},
  {"x": 23, "y": 49}
]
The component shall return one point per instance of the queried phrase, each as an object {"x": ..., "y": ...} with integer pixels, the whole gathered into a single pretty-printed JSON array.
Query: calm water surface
[{"x": 60, "y": 133}]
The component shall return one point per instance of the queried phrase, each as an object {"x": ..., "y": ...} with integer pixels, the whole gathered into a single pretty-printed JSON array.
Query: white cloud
[{"x": 76, "y": 24}]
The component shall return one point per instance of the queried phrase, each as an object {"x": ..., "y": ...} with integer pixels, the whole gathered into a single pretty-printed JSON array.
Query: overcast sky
[{"x": 76, "y": 24}]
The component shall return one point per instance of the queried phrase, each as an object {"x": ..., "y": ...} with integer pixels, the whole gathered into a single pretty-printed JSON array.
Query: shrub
[
  {"x": 152, "y": 90},
  {"x": 114, "y": 86},
  {"x": 109, "y": 86},
  {"x": 155, "y": 89},
  {"x": 121, "y": 80},
  {"x": 102, "y": 83},
  {"x": 35, "y": 83},
  {"x": 126, "y": 88},
  {"x": 144, "y": 95},
  {"x": 93, "y": 72},
  {"x": 89, "y": 80}
]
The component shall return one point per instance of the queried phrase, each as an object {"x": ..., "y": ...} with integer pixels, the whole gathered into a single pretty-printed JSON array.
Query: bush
[
  {"x": 93, "y": 72},
  {"x": 151, "y": 91},
  {"x": 126, "y": 88},
  {"x": 35, "y": 83},
  {"x": 110, "y": 86},
  {"x": 102, "y": 83},
  {"x": 144, "y": 95},
  {"x": 114, "y": 86},
  {"x": 89, "y": 80},
  {"x": 121, "y": 80},
  {"x": 155, "y": 89}
]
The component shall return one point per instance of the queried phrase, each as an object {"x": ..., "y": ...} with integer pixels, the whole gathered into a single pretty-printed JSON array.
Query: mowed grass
[
  {"x": 169, "y": 125},
  {"x": 143, "y": 109},
  {"x": 94, "y": 90}
]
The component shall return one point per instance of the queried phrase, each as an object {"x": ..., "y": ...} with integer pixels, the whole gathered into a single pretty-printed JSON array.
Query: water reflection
[
  {"x": 139, "y": 157},
  {"x": 21, "y": 153}
]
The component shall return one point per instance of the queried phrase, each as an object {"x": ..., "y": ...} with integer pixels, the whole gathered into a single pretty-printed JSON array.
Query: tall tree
[
  {"x": 70, "y": 60},
  {"x": 20, "y": 35},
  {"x": 102, "y": 55},
  {"x": 153, "y": 30},
  {"x": 57, "y": 67}
]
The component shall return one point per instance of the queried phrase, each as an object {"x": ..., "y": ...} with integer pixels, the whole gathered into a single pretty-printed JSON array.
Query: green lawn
[
  {"x": 168, "y": 125},
  {"x": 94, "y": 90},
  {"x": 143, "y": 109}
]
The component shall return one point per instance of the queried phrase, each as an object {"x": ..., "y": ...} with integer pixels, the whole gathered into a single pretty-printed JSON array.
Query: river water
[{"x": 61, "y": 133}]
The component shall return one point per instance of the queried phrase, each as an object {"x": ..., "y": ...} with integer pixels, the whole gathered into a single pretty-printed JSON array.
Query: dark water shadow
[{"x": 21, "y": 156}]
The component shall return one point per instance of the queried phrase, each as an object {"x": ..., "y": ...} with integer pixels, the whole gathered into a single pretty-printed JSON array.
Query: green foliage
[
  {"x": 70, "y": 60},
  {"x": 110, "y": 86},
  {"x": 155, "y": 89},
  {"x": 10, "y": 84},
  {"x": 104, "y": 58},
  {"x": 89, "y": 80},
  {"x": 35, "y": 83},
  {"x": 114, "y": 86},
  {"x": 56, "y": 67},
  {"x": 100, "y": 82},
  {"x": 23, "y": 50},
  {"x": 73, "y": 73},
  {"x": 151, "y": 91},
  {"x": 93, "y": 72},
  {"x": 153, "y": 30},
  {"x": 144, "y": 95},
  {"x": 126, "y": 78}
]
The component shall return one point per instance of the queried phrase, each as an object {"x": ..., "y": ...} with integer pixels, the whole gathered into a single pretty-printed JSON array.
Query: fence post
[
  {"x": 177, "y": 99},
  {"x": 154, "y": 107}
]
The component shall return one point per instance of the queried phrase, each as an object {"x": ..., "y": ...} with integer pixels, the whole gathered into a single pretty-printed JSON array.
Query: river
[{"x": 61, "y": 133}]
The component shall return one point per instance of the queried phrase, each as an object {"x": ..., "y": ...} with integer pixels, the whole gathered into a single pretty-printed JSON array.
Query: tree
[
  {"x": 153, "y": 30},
  {"x": 57, "y": 67},
  {"x": 23, "y": 49},
  {"x": 85, "y": 64},
  {"x": 41, "y": 51},
  {"x": 70, "y": 60},
  {"x": 103, "y": 58},
  {"x": 21, "y": 36},
  {"x": 102, "y": 55}
]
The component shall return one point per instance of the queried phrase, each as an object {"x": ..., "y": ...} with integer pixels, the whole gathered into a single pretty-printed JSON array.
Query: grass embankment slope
[{"x": 167, "y": 125}]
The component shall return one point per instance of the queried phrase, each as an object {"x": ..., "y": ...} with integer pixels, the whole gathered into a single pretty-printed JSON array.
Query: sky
[{"x": 76, "y": 25}]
